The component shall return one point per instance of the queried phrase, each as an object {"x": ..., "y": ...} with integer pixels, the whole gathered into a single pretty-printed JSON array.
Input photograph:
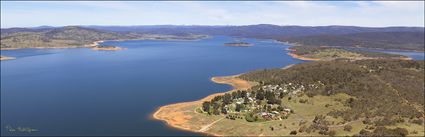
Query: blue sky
[{"x": 306, "y": 13}]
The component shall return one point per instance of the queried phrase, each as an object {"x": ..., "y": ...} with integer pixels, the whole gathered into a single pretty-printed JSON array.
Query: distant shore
[
  {"x": 107, "y": 48},
  {"x": 175, "y": 115},
  {"x": 300, "y": 57},
  {"x": 93, "y": 44},
  {"x": 96, "y": 43}
]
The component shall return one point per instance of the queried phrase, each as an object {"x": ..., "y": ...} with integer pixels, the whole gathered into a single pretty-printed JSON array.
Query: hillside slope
[
  {"x": 383, "y": 88},
  {"x": 73, "y": 36},
  {"x": 70, "y": 36}
]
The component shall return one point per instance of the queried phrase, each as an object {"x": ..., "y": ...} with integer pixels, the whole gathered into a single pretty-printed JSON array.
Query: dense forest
[{"x": 384, "y": 92}]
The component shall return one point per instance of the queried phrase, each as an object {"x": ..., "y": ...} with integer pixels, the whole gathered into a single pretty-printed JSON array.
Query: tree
[
  {"x": 239, "y": 107},
  {"x": 216, "y": 108},
  {"x": 223, "y": 110},
  {"x": 269, "y": 95},
  {"x": 281, "y": 95},
  {"x": 260, "y": 95},
  {"x": 245, "y": 100},
  {"x": 216, "y": 98},
  {"x": 227, "y": 99},
  {"x": 280, "y": 108},
  {"x": 206, "y": 106},
  {"x": 244, "y": 94},
  {"x": 293, "y": 132},
  {"x": 250, "y": 117}
]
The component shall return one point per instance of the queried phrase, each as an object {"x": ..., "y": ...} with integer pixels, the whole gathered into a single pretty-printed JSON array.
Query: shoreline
[
  {"x": 97, "y": 48},
  {"x": 174, "y": 117},
  {"x": 301, "y": 57},
  {"x": 293, "y": 55}
]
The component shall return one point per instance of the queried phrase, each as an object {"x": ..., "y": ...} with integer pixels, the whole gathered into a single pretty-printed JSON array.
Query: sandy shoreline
[
  {"x": 173, "y": 115},
  {"x": 298, "y": 56},
  {"x": 301, "y": 57}
]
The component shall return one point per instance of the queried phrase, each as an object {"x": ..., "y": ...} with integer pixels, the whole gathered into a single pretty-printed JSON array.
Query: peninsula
[{"x": 314, "y": 98}]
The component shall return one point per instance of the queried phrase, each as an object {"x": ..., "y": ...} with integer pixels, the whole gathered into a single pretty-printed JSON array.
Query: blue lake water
[{"x": 85, "y": 92}]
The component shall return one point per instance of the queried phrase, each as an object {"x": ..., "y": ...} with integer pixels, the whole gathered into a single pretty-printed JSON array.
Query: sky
[{"x": 127, "y": 13}]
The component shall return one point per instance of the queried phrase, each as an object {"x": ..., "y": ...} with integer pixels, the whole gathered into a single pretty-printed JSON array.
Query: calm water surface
[{"x": 85, "y": 92}]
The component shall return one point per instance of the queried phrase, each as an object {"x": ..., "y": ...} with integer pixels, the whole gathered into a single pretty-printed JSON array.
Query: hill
[
  {"x": 324, "y": 98},
  {"x": 72, "y": 36},
  {"x": 404, "y": 38},
  {"x": 266, "y": 31},
  {"x": 383, "y": 93}
]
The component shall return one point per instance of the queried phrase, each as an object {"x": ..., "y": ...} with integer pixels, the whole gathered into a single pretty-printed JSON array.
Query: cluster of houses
[
  {"x": 275, "y": 115},
  {"x": 290, "y": 88},
  {"x": 269, "y": 107}
]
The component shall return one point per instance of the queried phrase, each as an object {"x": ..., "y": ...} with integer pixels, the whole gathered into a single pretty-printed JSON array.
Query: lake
[{"x": 85, "y": 92}]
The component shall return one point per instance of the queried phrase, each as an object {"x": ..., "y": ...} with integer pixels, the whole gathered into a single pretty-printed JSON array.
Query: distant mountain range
[{"x": 408, "y": 38}]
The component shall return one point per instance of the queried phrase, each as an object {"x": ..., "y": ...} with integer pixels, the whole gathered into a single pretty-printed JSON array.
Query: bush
[
  {"x": 250, "y": 117},
  {"x": 293, "y": 132}
]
